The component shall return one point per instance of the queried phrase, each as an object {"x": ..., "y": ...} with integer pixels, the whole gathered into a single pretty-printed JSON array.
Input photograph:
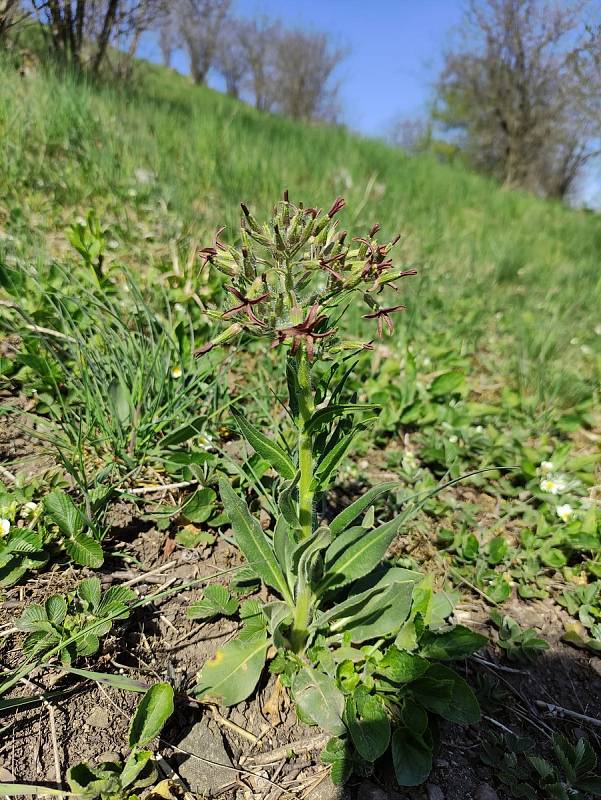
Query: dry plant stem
[{"x": 559, "y": 711}]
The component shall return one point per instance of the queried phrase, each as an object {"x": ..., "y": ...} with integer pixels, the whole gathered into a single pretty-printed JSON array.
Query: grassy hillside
[
  {"x": 474, "y": 430},
  {"x": 511, "y": 278}
]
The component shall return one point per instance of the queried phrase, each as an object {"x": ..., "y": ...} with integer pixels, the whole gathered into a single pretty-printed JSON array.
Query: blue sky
[{"x": 393, "y": 50}]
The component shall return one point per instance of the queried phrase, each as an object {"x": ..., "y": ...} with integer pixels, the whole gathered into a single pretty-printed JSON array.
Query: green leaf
[
  {"x": 442, "y": 691},
  {"x": 447, "y": 383},
  {"x": 90, "y": 591},
  {"x": 252, "y": 541},
  {"x": 383, "y": 615},
  {"x": 234, "y": 671},
  {"x": 368, "y": 725},
  {"x": 324, "y": 415},
  {"x": 362, "y": 555},
  {"x": 351, "y": 512},
  {"x": 64, "y": 513},
  {"x": 216, "y": 601},
  {"x": 154, "y": 710},
  {"x": 56, "y": 609},
  {"x": 338, "y": 754},
  {"x": 319, "y": 698},
  {"x": 333, "y": 457},
  {"x": 399, "y": 666},
  {"x": 457, "y": 643},
  {"x": 84, "y": 550},
  {"x": 266, "y": 448},
  {"x": 200, "y": 506},
  {"x": 411, "y": 757},
  {"x": 32, "y": 617},
  {"x": 135, "y": 768},
  {"x": 497, "y": 549}
]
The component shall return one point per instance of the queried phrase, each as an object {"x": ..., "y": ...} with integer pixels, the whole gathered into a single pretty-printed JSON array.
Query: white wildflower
[
  {"x": 553, "y": 485},
  {"x": 29, "y": 509},
  {"x": 546, "y": 467},
  {"x": 176, "y": 372},
  {"x": 4, "y": 527},
  {"x": 565, "y": 512}
]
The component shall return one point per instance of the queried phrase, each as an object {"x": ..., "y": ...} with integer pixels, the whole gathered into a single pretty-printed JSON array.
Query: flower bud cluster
[{"x": 291, "y": 279}]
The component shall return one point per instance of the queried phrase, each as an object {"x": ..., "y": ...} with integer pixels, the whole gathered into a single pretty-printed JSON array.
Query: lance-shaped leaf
[
  {"x": 334, "y": 456},
  {"x": 383, "y": 615},
  {"x": 233, "y": 672},
  {"x": 324, "y": 415},
  {"x": 153, "y": 712},
  {"x": 363, "y": 553},
  {"x": 275, "y": 455},
  {"x": 252, "y": 541},
  {"x": 319, "y": 698},
  {"x": 350, "y": 513}
]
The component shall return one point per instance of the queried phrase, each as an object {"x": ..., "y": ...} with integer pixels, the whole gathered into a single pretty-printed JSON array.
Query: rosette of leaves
[
  {"x": 117, "y": 780},
  {"x": 359, "y": 643},
  {"x": 71, "y": 626}
]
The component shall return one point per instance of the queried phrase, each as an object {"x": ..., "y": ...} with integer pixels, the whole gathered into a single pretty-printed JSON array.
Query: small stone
[
  {"x": 98, "y": 718},
  {"x": 370, "y": 791},
  {"x": 203, "y": 778},
  {"x": 485, "y": 792},
  {"x": 434, "y": 792},
  {"x": 108, "y": 757}
]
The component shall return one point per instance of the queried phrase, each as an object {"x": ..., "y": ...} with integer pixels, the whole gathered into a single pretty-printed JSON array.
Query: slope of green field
[{"x": 509, "y": 278}]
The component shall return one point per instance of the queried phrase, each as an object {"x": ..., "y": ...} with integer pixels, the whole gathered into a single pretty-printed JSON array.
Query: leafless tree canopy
[
  {"x": 304, "y": 67},
  {"x": 231, "y": 59},
  {"x": 11, "y": 13},
  {"x": 258, "y": 40},
  {"x": 80, "y": 31},
  {"x": 509, "y": 91},
  {"x": 199, "y": 24}
]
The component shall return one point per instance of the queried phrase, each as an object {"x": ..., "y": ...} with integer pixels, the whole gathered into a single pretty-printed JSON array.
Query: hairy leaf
[
  {"x": 252, "y": 541},
  {"x": 275, "y": 455},
  {"x": 318, "y": 697},
  {"x": 154, "y": 710},
  {"x": 234, "y": 671}
]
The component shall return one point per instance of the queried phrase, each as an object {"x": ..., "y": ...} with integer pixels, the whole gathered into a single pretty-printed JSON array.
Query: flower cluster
[{"x": 290, "y": 280}]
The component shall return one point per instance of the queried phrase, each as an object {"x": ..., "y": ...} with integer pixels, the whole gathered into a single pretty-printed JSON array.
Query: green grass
[{"x": 509, "y": 278}]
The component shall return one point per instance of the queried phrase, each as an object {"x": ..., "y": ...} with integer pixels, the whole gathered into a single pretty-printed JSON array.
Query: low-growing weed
[
  {"x": 520, "y": 644},
  {"x": 570, "y": 773},
  {"x": 72, "y": 626},
  {"x": 33, "y": 533}
]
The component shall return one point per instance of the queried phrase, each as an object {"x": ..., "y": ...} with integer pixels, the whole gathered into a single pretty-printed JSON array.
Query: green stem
[
  {"x": 299, "y": 633},
  {"x": 305, "y": 446}
]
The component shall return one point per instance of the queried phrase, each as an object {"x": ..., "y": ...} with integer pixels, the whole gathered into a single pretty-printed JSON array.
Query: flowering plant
[{"x": 352, "y": 636}]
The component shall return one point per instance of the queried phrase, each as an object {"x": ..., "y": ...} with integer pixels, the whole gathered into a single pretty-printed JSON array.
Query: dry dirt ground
[{"x": 258, "y": 746}]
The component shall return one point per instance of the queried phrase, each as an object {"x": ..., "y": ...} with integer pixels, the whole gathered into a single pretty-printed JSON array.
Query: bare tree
[
  {"x": 169, "y": 39},
  {"x": 11, "y": 14},
  {"x": 258, "y": 41},
  {"x": 508, "y": 92},
  {"x": 413, "y": 134},
  {"x": 79, "y": 32},
  {"x": 200, "y": 23},
  {"x": 231, "y": 57},
  {"x": 304, "y": 66}
]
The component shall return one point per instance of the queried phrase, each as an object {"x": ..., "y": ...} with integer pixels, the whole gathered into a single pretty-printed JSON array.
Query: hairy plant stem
[
  {"x": 305, "y": 445},
  {"x": 306, "y": 406}
]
